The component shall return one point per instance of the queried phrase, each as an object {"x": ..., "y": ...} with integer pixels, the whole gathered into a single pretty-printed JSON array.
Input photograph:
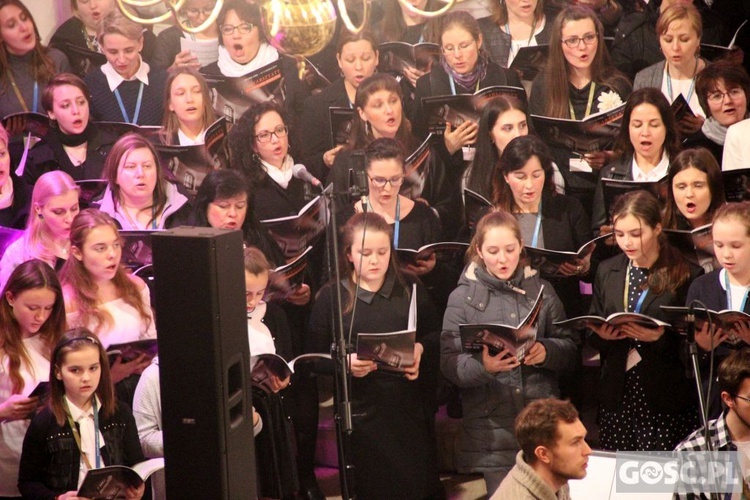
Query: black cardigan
[
  {"x": 50, "y": 458},
  {"x": 665, "y": 386}
]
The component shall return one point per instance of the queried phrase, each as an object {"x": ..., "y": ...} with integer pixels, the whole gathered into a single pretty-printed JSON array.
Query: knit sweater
[
  {"x": 23, "y": 74},
  {"x": 523, "y": 483},
  {"x": 104, "y": 106}
]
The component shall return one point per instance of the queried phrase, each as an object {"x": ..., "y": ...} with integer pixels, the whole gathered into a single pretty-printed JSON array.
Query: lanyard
[
  {"x": 397, "y": 219},
  {"x": 537, "y": 226},
  {"x": 77, "y": 435},
  {"x": 638, "y": 304},
  {"x": 729, "y": 293},
  {"x": 453, "y": 85},
  {"x": 588, "y": 104},
  {"x": 138, "y": 103},
  {"x": 134, "y": 222},
  {"x": 692, "y": 83},
  {"x": 531, "y": 35},
  {"x": 35, "y": 104}
]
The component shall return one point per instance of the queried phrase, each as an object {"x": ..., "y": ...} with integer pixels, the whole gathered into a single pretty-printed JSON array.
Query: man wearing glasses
[{"x": 731, "y": 431}]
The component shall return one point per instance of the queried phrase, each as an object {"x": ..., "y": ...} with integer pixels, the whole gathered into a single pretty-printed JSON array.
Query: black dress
[{"x": 392, "y": 444}]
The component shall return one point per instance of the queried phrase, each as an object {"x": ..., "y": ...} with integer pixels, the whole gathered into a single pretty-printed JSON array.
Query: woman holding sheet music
[
  {"x": 54, "y": 204},
  {"x": 646, "y": 402},
  {"x": 138, "y": 195},
  {"x": 464, "y": 68},
  {"x": 125, "y": 89},
  {"x": 578, "y": 81},
  {"x": 32, "y": 319},
  {"x": 168, "y": 51},
  {"x": 512, "y": 26},
  {"x": 679, "y": 28},
  {"x": 74, "y": 144},
  {"x": 100, "y": 296},
  {"x": 648, "y": 140},
  {"x": 357, "y": 57},
  {"x": 524, "y": 186},
  {"x": 393, "y": 442},
  {"x": 25, "y": 64},
  {"x": 496, "y": 287}
]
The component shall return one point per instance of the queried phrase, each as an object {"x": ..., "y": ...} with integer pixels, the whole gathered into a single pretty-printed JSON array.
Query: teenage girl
[{"x": 82, "y": 428}]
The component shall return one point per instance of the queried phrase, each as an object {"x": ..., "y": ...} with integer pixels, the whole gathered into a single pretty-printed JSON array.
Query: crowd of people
[{"x": 87, "y": 121}]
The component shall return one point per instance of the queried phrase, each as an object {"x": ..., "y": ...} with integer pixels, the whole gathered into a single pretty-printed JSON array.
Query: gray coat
[
  {"x": 650, "y": 77},
  {"x": 491, "y": 402}
]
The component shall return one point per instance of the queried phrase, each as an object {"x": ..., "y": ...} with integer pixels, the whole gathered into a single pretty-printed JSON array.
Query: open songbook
[
  {"x": 549, "y": 261},
  {"x": 725, "y": 319},
  {"x": 111, "y": 482},
  {"x": 265, "y": 366},
  {"x": 458, "y": 108},
  {"x": 517, "y": 340},
  {"x": 295, "y": 233},
  {"x": 616, "y": 319},
  {"x": 392, "y": 351}
]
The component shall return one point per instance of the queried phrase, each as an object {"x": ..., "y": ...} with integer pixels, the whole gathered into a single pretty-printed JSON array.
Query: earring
[
  {"x": 41, "y": 216},
  {"x": 368, "y": 128}
]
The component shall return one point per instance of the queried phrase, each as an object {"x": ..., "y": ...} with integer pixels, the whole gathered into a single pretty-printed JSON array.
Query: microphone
[{"x": 300, "y": 172}]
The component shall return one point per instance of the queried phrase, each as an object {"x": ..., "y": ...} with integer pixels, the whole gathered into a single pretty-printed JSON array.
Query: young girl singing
[
  {"x": 497, "y": 287},
  {"x": 645, "y": 400},
  {"x": 82, "y": 428},
  {"x": 32, "y": 319}
]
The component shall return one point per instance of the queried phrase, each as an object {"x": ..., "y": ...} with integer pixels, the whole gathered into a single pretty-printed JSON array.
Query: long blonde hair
[{"x": 55, "y": 183}]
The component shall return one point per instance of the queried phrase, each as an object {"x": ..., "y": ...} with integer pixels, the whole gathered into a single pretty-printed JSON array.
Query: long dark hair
[
  {"x": 71, "y": 341},
  {"x": 43, "y": 68},
  {"x": 486, "y": 156},
  {"x": 699, "y": 159},
  {"x": 556, "y": 70},
  {"x": 516, "y": 155},
  {"x": 392, "y": 26},
  {"x": 671, "y": 270},
  {"x": 31, "y": 275},
  {"x": 653, "y": 96}
]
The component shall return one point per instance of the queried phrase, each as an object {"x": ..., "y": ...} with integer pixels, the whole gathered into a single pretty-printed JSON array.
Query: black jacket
[
  {"x": 50, "y": 459},
  {"x": 665, "y": 386}
]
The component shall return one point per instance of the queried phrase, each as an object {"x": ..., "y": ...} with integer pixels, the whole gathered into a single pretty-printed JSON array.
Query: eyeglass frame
[
  {"x": 381, "y": 182},
  {"x": 197, "y": 12},
  {"x": 223, "y": 31},
  {"x": 276, "y": 131},
  {"x": 719, "y": 96},
  {"x": 579, "y": 39},
  {"x": 742, "y": 398},
  {"x": 458, "y": 48}
]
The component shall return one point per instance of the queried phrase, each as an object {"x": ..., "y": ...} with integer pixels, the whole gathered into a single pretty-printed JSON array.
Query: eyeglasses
[
  {"x": 587, "y": 39},
  {"x": 244, "y": 28},
  {"x": 742, "y": 398},
  {"x": 717, "y": 97},
  {"x": 461, "y": 47},
  {"x": 265, "y": 135},
  {"x": 380, "y": 182},
  {"x": 198, "y": 12}
]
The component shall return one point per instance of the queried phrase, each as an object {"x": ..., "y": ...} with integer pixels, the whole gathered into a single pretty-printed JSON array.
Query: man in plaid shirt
[{"x": 731, "y": 431}]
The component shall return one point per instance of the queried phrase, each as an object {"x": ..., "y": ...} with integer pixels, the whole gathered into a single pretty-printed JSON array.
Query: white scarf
[
  {"x": 714, "y": 130},
  {"x": 229, "y": 67},
  {"x": 282, "y": 175}
]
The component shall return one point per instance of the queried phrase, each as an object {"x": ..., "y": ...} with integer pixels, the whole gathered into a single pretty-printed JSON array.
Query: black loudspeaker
[{"x": 204, "y": 364}]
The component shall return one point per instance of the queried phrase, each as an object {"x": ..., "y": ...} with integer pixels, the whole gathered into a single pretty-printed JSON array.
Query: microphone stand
[
  {"x": 694, "y": 357},
  {"x": 339, "y": 353}
]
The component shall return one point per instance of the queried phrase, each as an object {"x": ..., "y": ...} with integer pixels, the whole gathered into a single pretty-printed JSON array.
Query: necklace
[{"x": 76, "y": 159}]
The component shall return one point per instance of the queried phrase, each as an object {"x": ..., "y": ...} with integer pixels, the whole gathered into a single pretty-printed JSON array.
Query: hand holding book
[
  {"x": 642, "y": 333},
  {"x": 709, "y": 341},
  {"x": 501, "y": 361}
]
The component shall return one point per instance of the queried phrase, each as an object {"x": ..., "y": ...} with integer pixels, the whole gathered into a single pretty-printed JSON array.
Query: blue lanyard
[
  {"x": 397, "y": 226},
  {"x": 537, "y": 226},
  {"x": 692, "y": 84},
  {"x": 96, "y": 434},
  {"x": 77, "y": 434},
  {"x": 644, "y": 293},
  {"x": 138, "y": 103},
  {"x": 35, "y": 104},
  {"x": 729, "y": 293}
]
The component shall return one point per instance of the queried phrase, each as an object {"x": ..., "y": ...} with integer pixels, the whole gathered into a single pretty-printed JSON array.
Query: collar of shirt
[
  {"x": 386, "y": 289},
  {"x": 114, "y": 79},
  {"x": 187, "y": 141},
  {"x": 655, "y": 174}
]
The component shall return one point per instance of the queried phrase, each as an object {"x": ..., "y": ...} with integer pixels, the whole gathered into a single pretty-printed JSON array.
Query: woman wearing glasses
[
  {"x": 679, "y": 28},
  {"x": 125, "y": 89},
  {"x": 464, "y": 68},
  {"x": 722, "y": 89},
  {"x": 168, "y": 51},
  {"x": 578, "y": 81},
  {"x": 243, "y": 49}
]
